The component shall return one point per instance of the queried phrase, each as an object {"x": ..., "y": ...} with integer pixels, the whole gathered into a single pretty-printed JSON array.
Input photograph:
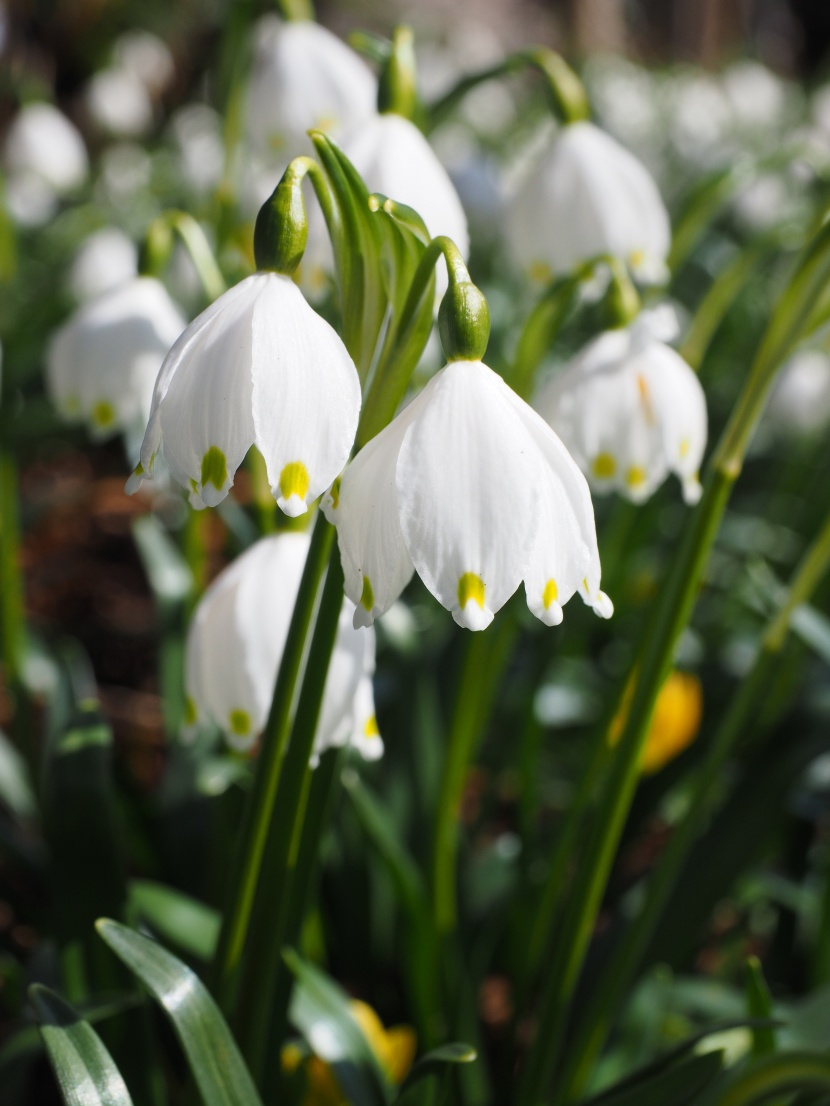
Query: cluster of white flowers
[{"x": 468, "y": 486}]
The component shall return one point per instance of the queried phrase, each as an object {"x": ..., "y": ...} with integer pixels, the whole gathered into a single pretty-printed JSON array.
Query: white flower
[
  {"x": 258, "y": 367},
  {"x": 394, "y": 158},
  {"x": 472, "y": 489},
  {"x": 106, "y": 259},
  {"x": 44, "y": 157},
  {"x": 303, "y": 78},
  {"x": 197, "y": 132},
  {"x": 630, "y": 410},
  {"x": 235, "y": 645},
  {"x": 589, "y": 197},
  {"x": 102, "y": 363},
  {"x": 146, "y": 56}
]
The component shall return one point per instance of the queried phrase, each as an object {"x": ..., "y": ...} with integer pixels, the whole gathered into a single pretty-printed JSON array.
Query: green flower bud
[
  {"x": 464, "y": 322},
  {"x": 622, "y": 301},
  {"x": 281, "y": 229},
  {"x": 398, "y": 86}
]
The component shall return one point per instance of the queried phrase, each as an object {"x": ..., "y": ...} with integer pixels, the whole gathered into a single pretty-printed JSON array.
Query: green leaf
[
  {"x": 15, "y": 784},
  {"x": 214, "y": 1059},
  {"x": 185, "y": 922},
  {"x": 167, "y": 571},
  {"x": 88, "y": 868},
  {"x": 434, "y": 1063},
  {"x": 759, "y": 1005},
  {"x": 678, "y": 1084},
  {"x": 320, "y": 1011},
  {"x": 85, "y": 1071},
  {"x": 773, "y": 1076}
]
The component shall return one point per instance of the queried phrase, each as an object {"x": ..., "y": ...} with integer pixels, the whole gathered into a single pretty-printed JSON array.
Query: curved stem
[
  {"x": 654, "y": 658},
  {"x": 247, "y": 870},
  {"x": 566, "y": 90},
  {"x": 745, "y": 707}
]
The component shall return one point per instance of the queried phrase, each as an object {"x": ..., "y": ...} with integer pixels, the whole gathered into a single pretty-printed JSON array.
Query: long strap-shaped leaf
[
  {"x": 85, "y": 1071},
  {"x": 214, "y": 1059}
]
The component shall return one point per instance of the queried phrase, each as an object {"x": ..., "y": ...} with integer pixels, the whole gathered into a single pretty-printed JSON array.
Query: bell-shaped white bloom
[
  {"x": 236, "y": 641},
  {"x": 106, "y": 259},
  {"x": 630, "y": 410},
  {"x": 44, "y": 157},
  {"x": 394, "y": 158},
  {"x": 102, "y": 363},
  {"x": 472, "y": 489},
  {"x": 258, "y": 367},
  {"x": 303, "y": 78},
  {"x": 147, "y": 57},
  {"x": 589, "y": 197}
]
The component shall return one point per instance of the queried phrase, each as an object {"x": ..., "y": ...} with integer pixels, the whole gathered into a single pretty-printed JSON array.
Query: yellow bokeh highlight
[
  {"x": 394, "y": 1049},
  {"x": 674, "y": 723}
]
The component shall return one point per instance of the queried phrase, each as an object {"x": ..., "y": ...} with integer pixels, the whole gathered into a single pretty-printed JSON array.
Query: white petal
[
  {"x": 365, "y": 736},
  {"x": 202, "y": 400},
  {"x": 345, "y": 674},
  {"x": 468, "y": 486},
  {"x": 306, "y": 395},
  {"x": 565, "y": 555},
  {"x": 376, "y": 563},
  {"x": 101, "y": 364},
  {"x": 217, "y": 680},
  {"x": 680, "y": 400}
]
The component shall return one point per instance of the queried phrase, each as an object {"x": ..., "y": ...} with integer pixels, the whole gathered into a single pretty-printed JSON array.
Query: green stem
[
  {"x": 158, "y": 247},
  {"x": 483, "y": 661},
  {"x": 744, "y": 708},
  {"x": 715, "y": 305},
  {"x": 389, "y": 387},
  {"x": 276, "y": 888},
  {"x": 296, "y": 11},
  {"x": 566, "y": 91},
  {"x": 540, "y": 331},
  {"x": 246, "y": 872},
  {"x": 654, "y": 659}
]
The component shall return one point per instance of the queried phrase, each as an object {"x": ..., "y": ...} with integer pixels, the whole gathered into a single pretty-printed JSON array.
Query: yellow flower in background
[
  {"x": 674, "y": 723},
  {"x": 394, "y": 1049}
]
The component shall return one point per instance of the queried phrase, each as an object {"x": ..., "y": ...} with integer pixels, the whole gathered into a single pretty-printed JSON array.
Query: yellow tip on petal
[
  {"x": 371, "y": 728},
  {"x": 190, "y": 712},
  {"x": 103, "y": 414},
  {"x": 540, "y": 272},
  {"x": 471, "y": 587},
  {"x": 604, "y": 466},
  {"x": 367, "y": 598},
  {"x": 685, "y": 446},
  {"x": 635, "y": 476},
  {"x": 240, "y": 722},
  {"x": 214, "y": 469},
  {"x": 294, "y": 480},
  {"x": 550, "y": 594},
  {"x": 637, "y": 258}
]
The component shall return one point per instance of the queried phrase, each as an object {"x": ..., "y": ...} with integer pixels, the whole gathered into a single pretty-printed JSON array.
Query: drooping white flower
[
  {"x": 106, "y": 259},
  {"x": 258, "y": 367},
  {"x": 235, "y": 644},
  {"x": 304, "y": 77},
  {"x": 472, "y": 489},
  {"x": 101, "y": 365},
  {"x": 630, "y": 410},
  {"x": 44, "y": 157},
  {"x": 589, "y": 197}
]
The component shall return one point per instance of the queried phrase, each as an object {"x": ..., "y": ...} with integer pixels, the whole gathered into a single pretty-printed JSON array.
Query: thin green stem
[
  {"x": 720, "y": 297},
  {"x": 276, "y": 888},
  {"x": 295, "y": 11},
  {"x": 566, "y": 91},
  {"x": 484, "y": 657},
  {"x": 744, "y": 708},
  {"x": 246, "y": 872},
  {"x": 540, "y": 331},
  {"x": 654, "y": 658}
]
